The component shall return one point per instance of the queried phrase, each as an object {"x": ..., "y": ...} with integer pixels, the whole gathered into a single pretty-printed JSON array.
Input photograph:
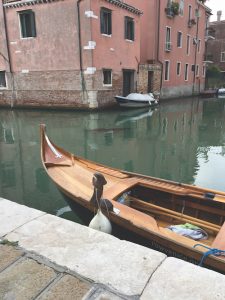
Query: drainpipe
[
  {"x": 195, "y": 59},
  {"x": 83, "y": 84},
  {"x": 8, "y": 54},
  {"x": 158, "y": 42}
]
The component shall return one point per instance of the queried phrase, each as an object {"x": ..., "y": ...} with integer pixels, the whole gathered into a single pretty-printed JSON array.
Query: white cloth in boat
[{"x": 189, "y": 230}]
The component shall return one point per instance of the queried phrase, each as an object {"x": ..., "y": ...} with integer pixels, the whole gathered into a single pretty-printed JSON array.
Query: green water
[{"x": 182, "y": 140}]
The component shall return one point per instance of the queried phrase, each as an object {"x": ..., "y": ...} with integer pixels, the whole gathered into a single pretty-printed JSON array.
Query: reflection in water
[{"x": 181, "y": 140}]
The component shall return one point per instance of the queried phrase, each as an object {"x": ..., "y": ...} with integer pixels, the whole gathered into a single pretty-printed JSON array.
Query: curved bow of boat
[{"x": 52, "y": 154}]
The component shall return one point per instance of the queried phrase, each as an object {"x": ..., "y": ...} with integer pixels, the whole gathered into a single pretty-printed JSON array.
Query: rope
[{"x": 211, "y": 251}]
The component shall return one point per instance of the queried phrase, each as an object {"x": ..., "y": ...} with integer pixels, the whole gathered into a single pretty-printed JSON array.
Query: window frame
[
  {"x": 103, "y": 77},
  {"x": 105, "y": 21},
  {"x": 179, "y": 39},
  {"x": 129, "y": 28},
  {"x": 203, "y": 71},
  {"x": 24, "y": 31},
  {"x": 197, "y": 71},
  {"x": 188, "y": 48},
  {"x": 168, "y": 44},
  {"x": 199, "y": 45},
  {"x": 186, "y": 70},
  {"x": 178, "y": 64},
  {"x": 167, "y": 70},
  {"x": 189, "y": 12},
  {"x": 222, "y": 56},
  {"x": 3, "y": 87},
  {"x": 181, "y": 8}
]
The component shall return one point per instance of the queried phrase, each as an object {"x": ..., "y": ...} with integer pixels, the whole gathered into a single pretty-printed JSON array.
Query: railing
[
  {"x": 168, "y": 46},
  {"x": 191, "y": 22}
]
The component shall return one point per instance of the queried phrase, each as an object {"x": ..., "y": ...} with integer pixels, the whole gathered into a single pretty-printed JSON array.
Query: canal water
[{"x": 182, "y": 140}]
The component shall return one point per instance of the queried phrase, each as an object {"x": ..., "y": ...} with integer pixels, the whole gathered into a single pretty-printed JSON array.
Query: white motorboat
[
  {"x": 221, "y": 93},
  {"x": 137, "y": 100}
]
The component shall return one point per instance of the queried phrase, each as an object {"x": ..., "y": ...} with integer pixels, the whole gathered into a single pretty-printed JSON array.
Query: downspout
[
  {"x": 195, "y": 59},
  {"x": 158, "y": 43},
  {"x": 8, "y": 54},
  {"x": 83, "y": 84}
]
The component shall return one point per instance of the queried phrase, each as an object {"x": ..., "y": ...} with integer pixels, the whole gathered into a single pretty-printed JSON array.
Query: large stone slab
[
  {"x": 24, "y": 280},
  {"x": 176, "y": 279},
  {"x": 8, "y": 255},
  {"x": 13, "y": 215},
  {"x": 68, "y": 287},
  {"x": 123, "y": 266}
]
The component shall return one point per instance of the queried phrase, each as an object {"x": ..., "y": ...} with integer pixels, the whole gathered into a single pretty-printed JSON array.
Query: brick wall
[
  {"x": 142, "y": 85},
  {"x": 59, "y": 89}
]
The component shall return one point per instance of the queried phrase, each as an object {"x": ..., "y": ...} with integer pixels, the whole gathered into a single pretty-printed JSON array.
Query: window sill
[
  {"x": 3, "y": 88},
  {"x": 107, "y": 35},
  {"x": 28, "y": 38},
  {"x": 107, "y": 85},
  {"x": 129, "y": 41}
]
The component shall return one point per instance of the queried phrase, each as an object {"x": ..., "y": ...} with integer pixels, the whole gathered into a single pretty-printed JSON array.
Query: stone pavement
[
  {"x": 59, "y": 259},
  {"x": 24, "y": 275}
]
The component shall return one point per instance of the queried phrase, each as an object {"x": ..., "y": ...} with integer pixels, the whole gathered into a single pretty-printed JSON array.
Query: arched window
[{"x": 181, "y": 7}]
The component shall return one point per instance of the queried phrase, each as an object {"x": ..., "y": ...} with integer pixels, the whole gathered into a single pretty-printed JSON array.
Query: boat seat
[{"x": 219, "y": 241}]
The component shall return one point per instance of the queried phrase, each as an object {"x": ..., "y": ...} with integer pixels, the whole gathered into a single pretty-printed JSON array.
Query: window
[
  {"x": 181, "y": 7},
  {"x": 179, "y": 39},
  {"x": 27, "y": 24},
  {"x": 186, "y": 72},
  {"x": 106, "y": 21},
  {"x": 167, "y": 70},
  {"x": 199, "y": 46},
  {"x": 188, "y": 45},
  {"x": 197, "y": 71},
  {"x": 168, "y": 39},
  {"x": 107, "y": 77},
  {"x": 2, "y": 79},
  {"x": 222, "y": 56},
  {"x": 129, "y": 28},
  {"x": 178, "y": 68},
  {"x": 189, "y": 12},
  {"x": 203, "y": 71}
]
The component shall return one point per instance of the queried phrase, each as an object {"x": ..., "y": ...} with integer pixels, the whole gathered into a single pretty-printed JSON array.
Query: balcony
[
  {"x": 191, "y": 22},
  {"x": 172, "y": 9},
  {"x": 169, "y": 12},
  {"x": 168, "y": 46}
]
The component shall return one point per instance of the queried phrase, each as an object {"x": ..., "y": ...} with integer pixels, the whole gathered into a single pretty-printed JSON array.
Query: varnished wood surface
[{"x": 73, "y": 175}]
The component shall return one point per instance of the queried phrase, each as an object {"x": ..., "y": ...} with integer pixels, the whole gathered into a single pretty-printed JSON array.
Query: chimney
[{"x": 219, "y": 14}]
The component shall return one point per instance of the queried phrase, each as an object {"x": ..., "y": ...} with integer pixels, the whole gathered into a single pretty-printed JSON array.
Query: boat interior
[{"x": 171, "y": 209}]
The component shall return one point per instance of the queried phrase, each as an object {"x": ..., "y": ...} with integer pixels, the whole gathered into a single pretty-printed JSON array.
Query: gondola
[{"x": 146, "y": 206}]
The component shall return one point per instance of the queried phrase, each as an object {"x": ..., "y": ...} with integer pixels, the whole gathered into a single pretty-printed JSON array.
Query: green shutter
[
  {"x": 109, "y": 22},
  {"x": 125, "y": 28},
  {"x": 33, "y": 27},
  {"x": 102, "y": 21}
]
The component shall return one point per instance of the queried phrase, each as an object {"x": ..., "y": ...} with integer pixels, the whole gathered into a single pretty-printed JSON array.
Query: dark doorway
[
  {"x": 150, "y": 81},
  {"x": 128, "y": 82}
]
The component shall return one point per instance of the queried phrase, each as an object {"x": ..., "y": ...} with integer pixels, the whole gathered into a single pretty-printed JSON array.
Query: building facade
[
  {"x": 68, "y": 53},
  {"x": 216, "y": 44},
  {"x": 83, "y": 53}
]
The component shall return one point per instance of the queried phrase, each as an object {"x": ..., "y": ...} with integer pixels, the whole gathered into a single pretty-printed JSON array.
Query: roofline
[
  {"x": 118, "y": 3},
  {"x": 21, "y": 3},
  {"x": 126, "y": 6}
]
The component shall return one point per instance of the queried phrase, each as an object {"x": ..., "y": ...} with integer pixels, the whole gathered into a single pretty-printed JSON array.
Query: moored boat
[
  {"x": 135, "y": 100},
  {"x": 221, "y": 93},
  {"x": 147, "y": 206}
]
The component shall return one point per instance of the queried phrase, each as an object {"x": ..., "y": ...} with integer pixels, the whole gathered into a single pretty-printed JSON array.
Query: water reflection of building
[
  {"x": 163, "y": 145},
  {"x": 212, "y": 125},
  {"x": 9, "y": 172}
]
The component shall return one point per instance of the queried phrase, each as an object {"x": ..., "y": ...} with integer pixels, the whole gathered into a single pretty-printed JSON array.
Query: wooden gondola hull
[{"x": 154, "y": 203}]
